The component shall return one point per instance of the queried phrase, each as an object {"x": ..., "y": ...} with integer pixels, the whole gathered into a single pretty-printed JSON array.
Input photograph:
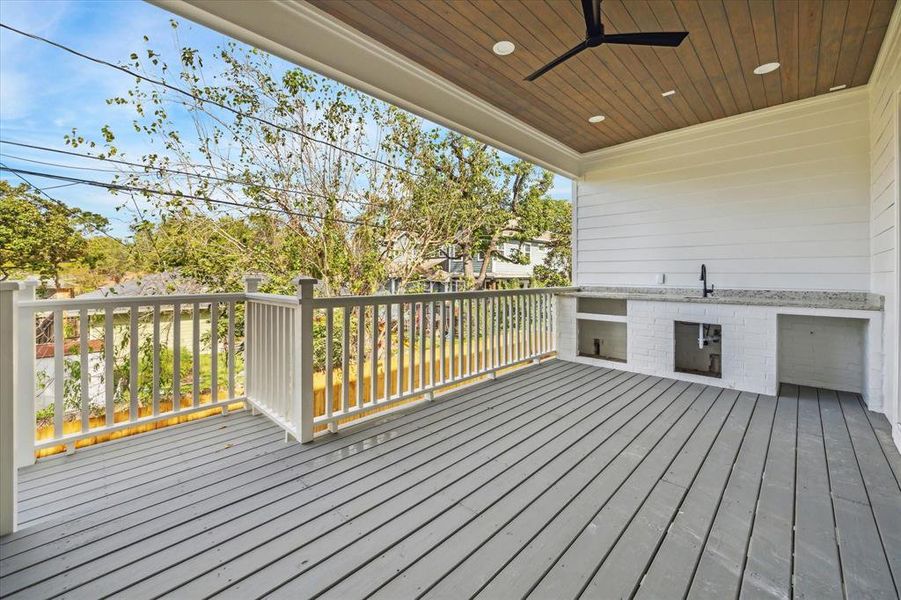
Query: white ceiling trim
[{"x": 307, "y": 36}]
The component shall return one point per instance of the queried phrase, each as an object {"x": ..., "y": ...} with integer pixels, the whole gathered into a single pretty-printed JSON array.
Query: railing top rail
[
  {"x": 326, "y": 302},
  {"x": 341, "y": 301},
  {"x": 277, "y": 299},
  {"x": 117, "y": 301}
]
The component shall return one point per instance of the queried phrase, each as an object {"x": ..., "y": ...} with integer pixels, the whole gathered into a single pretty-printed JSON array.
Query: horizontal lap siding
[
  {"x": 773, "y": 199},
  {"x": 883, "y": 110}
]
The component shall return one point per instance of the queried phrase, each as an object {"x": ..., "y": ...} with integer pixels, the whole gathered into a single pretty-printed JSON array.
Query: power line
[
  {"x": 179, "y": 90},
  {"x": 164, "y": 170},
  {"x": 128, "y": 188}
]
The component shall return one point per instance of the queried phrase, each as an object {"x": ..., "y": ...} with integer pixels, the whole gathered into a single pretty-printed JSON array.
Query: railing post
[
  {"x": 25, "y": 423},
  {"x": 303, "y": 359},
  {"x": 251, "y": 286},
  {"x": 9, "y": 291}
]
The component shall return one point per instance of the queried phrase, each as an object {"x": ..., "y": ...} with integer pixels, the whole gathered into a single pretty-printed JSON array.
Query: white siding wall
[
  {"x": 884, "y": 88},
  {"x": 777, "y": 198}
]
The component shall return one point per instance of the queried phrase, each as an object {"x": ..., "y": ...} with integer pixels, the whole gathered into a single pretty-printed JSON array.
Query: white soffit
[{"x": 304, "y": 35}]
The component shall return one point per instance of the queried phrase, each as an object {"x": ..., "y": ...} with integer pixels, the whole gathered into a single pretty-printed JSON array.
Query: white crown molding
[
  {"x": 299, "y": 32},
  {"x": 892, "y": 38},
  {"x": 592, "y": 160}
]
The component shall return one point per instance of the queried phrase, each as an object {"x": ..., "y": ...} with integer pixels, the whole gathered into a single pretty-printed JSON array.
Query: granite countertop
[{"x": 788, "y": 298}]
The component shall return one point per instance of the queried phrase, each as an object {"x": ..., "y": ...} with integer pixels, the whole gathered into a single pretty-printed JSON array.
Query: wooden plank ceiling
[{"x": 820, "y": 44}]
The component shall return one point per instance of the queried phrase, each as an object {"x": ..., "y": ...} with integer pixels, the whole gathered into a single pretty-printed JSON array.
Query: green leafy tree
[{"x": 39, "y": 236}]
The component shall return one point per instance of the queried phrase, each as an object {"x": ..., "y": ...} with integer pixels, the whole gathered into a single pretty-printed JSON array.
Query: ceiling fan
[{"x": 595, "y": 36}]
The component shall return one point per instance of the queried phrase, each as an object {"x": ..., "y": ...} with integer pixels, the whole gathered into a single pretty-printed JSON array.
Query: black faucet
[{"x": 707, "y": 291}]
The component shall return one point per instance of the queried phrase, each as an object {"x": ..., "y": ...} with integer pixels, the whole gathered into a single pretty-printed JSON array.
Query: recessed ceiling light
[
  {"x": 766, "y": 68},
  {"x": 503, "y": 48},
  {"x": 596, "y": 119},
  {"x": 668, "y": 93},
  {"x": 836, "y": 88}
]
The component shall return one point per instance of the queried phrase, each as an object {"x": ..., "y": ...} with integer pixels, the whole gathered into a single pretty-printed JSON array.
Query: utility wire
[
  {"x": 128, "y": 188},
  {"x": 150, "y": 169},
  {"x": 179, "y": 90}
]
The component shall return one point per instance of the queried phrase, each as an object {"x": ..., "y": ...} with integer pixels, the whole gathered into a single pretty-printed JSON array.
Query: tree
[
  {"x": 285, "y": 149},
  {"x": 38, "y": 235},
  {"x": 316, "y": 178}
]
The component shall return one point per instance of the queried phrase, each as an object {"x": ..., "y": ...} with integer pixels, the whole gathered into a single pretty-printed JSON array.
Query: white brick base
[{"x": 750, "y": 344}]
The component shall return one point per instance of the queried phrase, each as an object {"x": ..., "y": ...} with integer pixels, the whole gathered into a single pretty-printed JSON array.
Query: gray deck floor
[{"x": 558, "y": 481}]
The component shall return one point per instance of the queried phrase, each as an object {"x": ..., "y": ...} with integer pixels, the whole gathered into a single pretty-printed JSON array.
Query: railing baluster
[
  {"x": 84, "y": 338},
  {"x": 443, "y": 339},
  {"x": 329, "y": 349},
  {"x": 528, "y": 326},
  {"x": 412, "y": 354},
  {"x": 483, "y": 325},
  {"x": 109, "y": 360},
  {"x": 195, "y": 351},
  {"x": 361, "y": 345},
  {"x": 59, "y": 373},
  {"x": 388, "y": 357},
  {"x": 374, "y": 359},
  {"x": 469, "y": 368},
  {"x": 432, "y": 343},
  {"x": 400, "y": 349},
  {"x": 155, "y": 387},
  {"x": 133, "y": 365},
  {"x": 421, "y": 343},
  {"x": 214, "y": 353},
  {"x": 176, "y": 357},
  {"x": 231, "y": 354},
  {"x": 453, "y": 338},
  {"x": 345, "y": 359}
]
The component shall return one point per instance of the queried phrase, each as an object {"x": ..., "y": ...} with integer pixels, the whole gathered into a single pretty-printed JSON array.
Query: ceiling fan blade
[
  {"x": 563, "y": 57},
  {"x": 591, "y": 11},
  {"x": 661, "y": 38}
]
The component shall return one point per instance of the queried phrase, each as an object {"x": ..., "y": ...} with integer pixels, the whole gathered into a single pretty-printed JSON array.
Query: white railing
[
  {"x": 72, "y": 369},
  {"x": 382, "y": 350},
  {"x": 93, "y": 367}
]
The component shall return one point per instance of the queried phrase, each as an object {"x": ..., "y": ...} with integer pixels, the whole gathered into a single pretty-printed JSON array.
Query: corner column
[
  {"x": 9, "y": 291},
  {"x": 251, "y": 286},
  {"x": 25, "y": 417},
  {"x": 303, "y": 359}
]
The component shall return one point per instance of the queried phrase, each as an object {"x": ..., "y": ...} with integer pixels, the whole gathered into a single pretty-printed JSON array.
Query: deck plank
[
  {"x": 559, "y": 480},
  {"x": 621, "y": 573},
  {"x": 768, "y": 570},
  {"x": 817, "y": 570},
  {"x": 864, "y": 565},
  {"x": 721, "y": 566},
  {"x": 882, "y": 490},
  {"x": 671, "y": 568},
  {"x": 882, "y": 429}
]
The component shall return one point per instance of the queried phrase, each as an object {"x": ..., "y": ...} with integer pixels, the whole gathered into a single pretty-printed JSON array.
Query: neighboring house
[
  {"x": 445, "y": 273},
  {"x": 500, "y": 270},
  {"x": 152, "y": 284}
]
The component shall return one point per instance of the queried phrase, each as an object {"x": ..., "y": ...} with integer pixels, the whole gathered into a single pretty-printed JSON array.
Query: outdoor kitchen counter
[{"x": 778, "y": 298}]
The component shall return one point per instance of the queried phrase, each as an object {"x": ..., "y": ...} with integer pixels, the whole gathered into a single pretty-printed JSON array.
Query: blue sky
[{"x": 45, "y": 92}]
